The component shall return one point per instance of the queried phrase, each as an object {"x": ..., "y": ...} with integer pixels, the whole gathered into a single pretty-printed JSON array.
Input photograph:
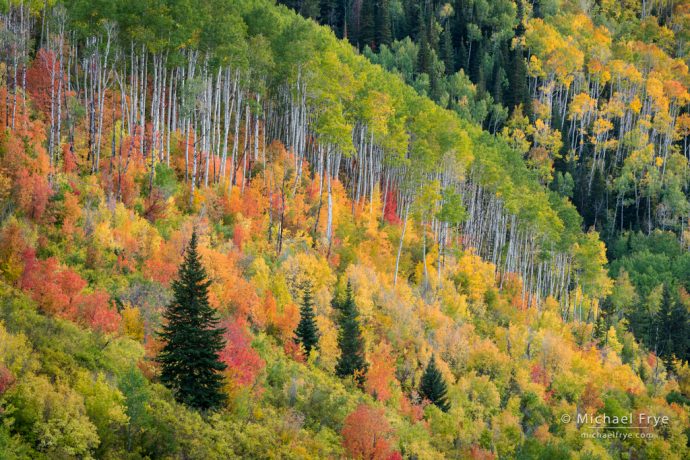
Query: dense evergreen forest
[{"x": 417, "y": 230}]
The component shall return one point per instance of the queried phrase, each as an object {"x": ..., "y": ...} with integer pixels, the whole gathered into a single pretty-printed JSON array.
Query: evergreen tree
[
  {"x": 603, "y": 322},
  {"x": 448, "y": 50},
  {"x": 307, "y": 332},
  {"x": 433, "y": 387},
  {"x": 310, "y": 9},
  {"x": 367, "y": 25},
  {"x": 190, "y": 366},
  {"x": 671, "y": 328},
  {"x": 351, "y": 361},
  {"x": 384, "y": 34}
]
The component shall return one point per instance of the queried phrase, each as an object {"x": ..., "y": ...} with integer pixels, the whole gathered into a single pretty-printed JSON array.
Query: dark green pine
[
  {"x": 351, "y": 362},
  {"x": 307, "y": 333},
  {"x": 190, "y": 365},
  {"x": 433, "y": 387}
]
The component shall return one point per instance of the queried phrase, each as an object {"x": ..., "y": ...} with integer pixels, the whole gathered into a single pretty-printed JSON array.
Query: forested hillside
[{"x": 384, "y": 261}]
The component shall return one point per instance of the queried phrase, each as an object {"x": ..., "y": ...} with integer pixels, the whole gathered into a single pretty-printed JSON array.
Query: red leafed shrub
[
  {"x": 98, "y": 313},
  {"x": 53, "y": 288},
  {"x": 366, "y": 434},
  {"x": 58, "y": 291},
  {"x": 244, "y": 363}
]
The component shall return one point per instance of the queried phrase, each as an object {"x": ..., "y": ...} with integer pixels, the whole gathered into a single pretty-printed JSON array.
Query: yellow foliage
[{"x": 132, "y": 323}]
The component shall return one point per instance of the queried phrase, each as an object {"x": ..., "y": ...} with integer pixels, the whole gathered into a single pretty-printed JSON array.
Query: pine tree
[
  {"x": 190, "y": 366},
  {"x": 433, "y": 387},
  {"x": 351, "y": 361},
  {"x": 307, "y": 332}
]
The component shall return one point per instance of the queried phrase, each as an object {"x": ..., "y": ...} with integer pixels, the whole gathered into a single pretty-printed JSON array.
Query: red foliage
[
  {"x": 238, "y": 236},
  {"x": 244, "y": 363},
  {"x": 52, "y": 288},
  {"x": 69, "y": 162},
  {"x": 58, "y": 291},
  {"x": 294, "y": 351},
  {"x": 97, "y": 312},
  {"x": 391, "y": 210},
  {"x": 478, "y": 453},
  {"x": 38, "y": 79},
  {"x": 155, "y": 206},
  {"x": 367, "y": 433},
  {"x": 6, "y": 379},
  {"x": 539, "y": 375}
]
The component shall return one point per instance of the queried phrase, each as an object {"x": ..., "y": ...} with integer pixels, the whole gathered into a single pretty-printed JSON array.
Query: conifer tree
[
  {"x": 670, "y": 327},
  {"x": 307, "y": 333},
  {"x": 433, "y": 387},
  {"x": 351, "y": 361},
  {"x": 384, "y": 34},
  {"x": 190, "y": 365}
]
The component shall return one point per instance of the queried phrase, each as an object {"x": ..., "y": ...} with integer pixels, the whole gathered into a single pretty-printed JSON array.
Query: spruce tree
[
  {"x": 190, "y": 366},
  {"x": 307, "y": 332},
  {"x": 351, "y": 361},
  {"x": 433, "y": 387}
]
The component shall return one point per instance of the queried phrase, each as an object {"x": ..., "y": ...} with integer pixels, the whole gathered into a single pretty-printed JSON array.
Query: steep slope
[{"x": 296, "y": 161}]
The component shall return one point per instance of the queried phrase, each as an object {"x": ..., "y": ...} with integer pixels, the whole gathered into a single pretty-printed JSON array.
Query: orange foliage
[
  {"x": 230, "y": 291},
  {"x": 381, "y": 373},
  {"x": 477, "y": 453},
  {"x": 32, "y": 192},
  {"x": 367, "y": 433},
  {"x": 286, "y": 321},
  {"x": 12, "y": 246},
  {"x": 415, "y": 412}
]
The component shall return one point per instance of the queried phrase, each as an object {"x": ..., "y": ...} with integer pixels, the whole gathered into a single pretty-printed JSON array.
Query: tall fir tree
[
  {"x": 307, "y": 333},
  {"x": 351, "y": 361},
  {"x": 433, "y": 387},
  {"x": 190, "y": 365}
]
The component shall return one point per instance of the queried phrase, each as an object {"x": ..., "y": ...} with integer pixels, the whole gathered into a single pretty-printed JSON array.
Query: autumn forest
[{"x": 324, "y": 229}]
